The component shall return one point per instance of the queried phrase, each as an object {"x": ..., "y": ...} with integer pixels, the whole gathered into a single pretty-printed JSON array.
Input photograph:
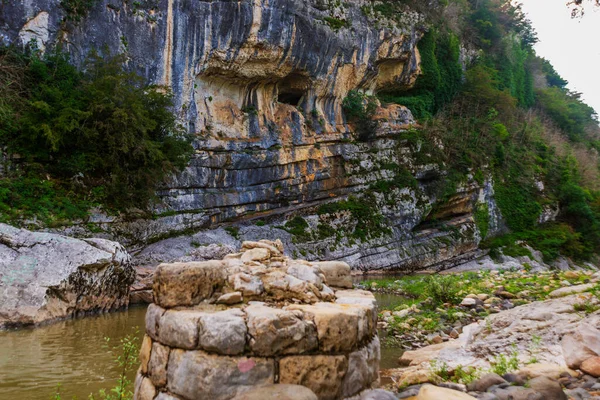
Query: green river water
[{"x": 73, "y": 354}]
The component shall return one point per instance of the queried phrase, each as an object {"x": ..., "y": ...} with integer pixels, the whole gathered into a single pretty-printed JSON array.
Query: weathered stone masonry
[{"x": 257, "y": 318}]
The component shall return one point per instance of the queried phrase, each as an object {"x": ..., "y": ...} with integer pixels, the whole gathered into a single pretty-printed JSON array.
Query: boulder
[
  {"x": 198, "y": 375},
  {"x": 591, "y": 366},
  {"x": 363, "y": 368},
  {"x": 548, "y": 388},
  {"x": 552, "y": 371},
  {"x": 274, "y": 331},
  {"x": 468, "y": 302},
  {"x": 339, "y": 328},
  {"x": 565, "y": 291},
  {"x": 485, "y": 382},
  {"x": 278, "y": 392},
  {"x": 581, "y": 344},
  {"x": 223, "y": 332},
  {"x": 187, "y": 284},
  {"x": 322, "y": 374},
  {"x": 337, "y": 273},
  {"x": 45, "y": 276}
]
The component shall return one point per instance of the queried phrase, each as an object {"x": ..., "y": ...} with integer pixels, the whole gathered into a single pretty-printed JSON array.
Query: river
[{"x": 73, "y": 353}]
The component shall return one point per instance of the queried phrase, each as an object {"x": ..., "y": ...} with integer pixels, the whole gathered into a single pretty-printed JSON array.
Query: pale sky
[{"x": 571, "y": 45}]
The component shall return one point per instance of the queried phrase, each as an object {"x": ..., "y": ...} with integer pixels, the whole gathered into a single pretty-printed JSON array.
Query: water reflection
[{"x": 73, "y": 353}]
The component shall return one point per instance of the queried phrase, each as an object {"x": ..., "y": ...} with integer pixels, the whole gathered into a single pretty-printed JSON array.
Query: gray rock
[
  {"x": 548, "y": 388},
  {"x": 44, "y": 276},
  {"x": 230, "y": 298},
  {"x": 278, "y": 332},
  {"x": 411, "y": 391},
  {"x": 198, "y": 375},
  {"x": 484, "y": 396},
  {"x": 223, "y": 332},
  {"x": 579, "y": 394},
  {"x": 157, "y": 366},
  {"x": 377, "y": 394},
  {"x": 363, "y": 369},
  {"x": 485, "y": 382},
  {"x": 278, "y": 392}
]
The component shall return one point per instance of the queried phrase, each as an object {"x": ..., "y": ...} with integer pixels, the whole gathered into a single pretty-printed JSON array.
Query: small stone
[
  {"x": 257, "y": 254},
  {"x": 230, "y": 298},
  {"x": 435, "y": 338},
  {"x": 591, "y": 366},
  {"x": 468, "y": 302},
  {"x": 483, "y": 296},
  {"x": 337, "y": 273},
  {"x": 506, "y": 295},
  {"x": 430, "y": 392},
  {"x": 517, "y": 379},
  {"x": 278, "y": 392},
  {"x": 248, "y": 284},
  {"x": 572, "y": 275},
  {"x": 179, "y": 329},
  {"x": 306, "y": 273}
]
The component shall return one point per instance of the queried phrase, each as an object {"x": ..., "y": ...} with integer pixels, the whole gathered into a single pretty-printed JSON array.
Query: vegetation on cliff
[
  {"x": 77, "y": 139},
  {"x": 511, "y": 117}
]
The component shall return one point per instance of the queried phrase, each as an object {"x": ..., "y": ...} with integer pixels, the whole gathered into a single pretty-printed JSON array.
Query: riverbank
[{"x": 431, "y": 309}]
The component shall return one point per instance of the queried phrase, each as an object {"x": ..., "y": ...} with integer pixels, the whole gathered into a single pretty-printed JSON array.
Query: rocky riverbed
[{"x": 494, "y": 335}]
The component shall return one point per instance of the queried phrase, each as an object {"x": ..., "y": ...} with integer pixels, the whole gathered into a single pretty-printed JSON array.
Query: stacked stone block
[{"x": 218, "y": 329}]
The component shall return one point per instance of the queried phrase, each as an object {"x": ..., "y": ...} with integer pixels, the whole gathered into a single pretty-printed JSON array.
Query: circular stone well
[{"x": 217, "y": 329}]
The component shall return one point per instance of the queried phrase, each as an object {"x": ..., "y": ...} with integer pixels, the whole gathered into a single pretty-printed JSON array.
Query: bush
[
  {"x": 360, "y": 109},
  {"x": 102, "y": 136},
  {"x": 442, "y": 289}
]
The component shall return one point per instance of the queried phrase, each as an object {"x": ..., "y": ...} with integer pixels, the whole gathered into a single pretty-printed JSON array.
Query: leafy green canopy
[
  {"x": 494, "y": 118},
  {"x": 95, "y": 137}
]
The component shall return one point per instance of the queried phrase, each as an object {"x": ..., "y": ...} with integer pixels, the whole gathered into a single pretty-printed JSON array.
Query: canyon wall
[{"x": 260, "y": 85}]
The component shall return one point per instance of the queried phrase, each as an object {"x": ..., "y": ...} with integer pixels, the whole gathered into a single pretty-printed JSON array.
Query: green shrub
[
  {"x": 297, "y": 226},
  {"x": 76, "y": 10},
  {"x": 336, "y": 24},
  {"x": 369, "y": 222},
  {"x": 102, "y": 136},
  {"x": 442, "y": 289},
  {"x": 360, "y": 108}
]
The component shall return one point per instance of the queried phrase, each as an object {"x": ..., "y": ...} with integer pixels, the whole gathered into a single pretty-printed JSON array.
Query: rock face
[
  {"x": 551, "y": 332},
  {"x": 260, "y": 85},
  {"x": 293, "y": 332},
  {"x": 45, "y": 276}
]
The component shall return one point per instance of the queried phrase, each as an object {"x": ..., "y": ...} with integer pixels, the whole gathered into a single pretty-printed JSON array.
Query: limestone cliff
[{"x": 260, "y": 83}]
